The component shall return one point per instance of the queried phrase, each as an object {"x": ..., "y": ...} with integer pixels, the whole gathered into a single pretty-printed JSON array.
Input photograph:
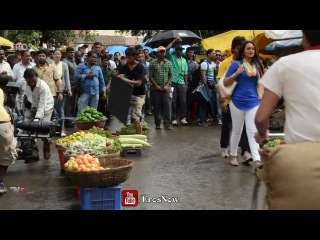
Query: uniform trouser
[
  {"x": 8, "y": 144},
  {"x": 179, "y": 94}
]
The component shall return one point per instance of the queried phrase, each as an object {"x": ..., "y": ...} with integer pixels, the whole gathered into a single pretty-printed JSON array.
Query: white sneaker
[
  {"x": 184, "y": 121},
  {"x": 174, "y": 123},
  {"x": 63, "y": 134},
  {"x": 247, "y": 157},
  {"x": 224, "y": 152}
]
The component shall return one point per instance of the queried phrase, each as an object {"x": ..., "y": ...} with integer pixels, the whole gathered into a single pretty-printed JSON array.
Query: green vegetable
[
  {"x": 134, "y": 141},
  {"x": 138, "y": 136},
  {"x": 90, "y": 114},
  {"x": 272, "y": 144},
  {"x": 131, "y": 145}
]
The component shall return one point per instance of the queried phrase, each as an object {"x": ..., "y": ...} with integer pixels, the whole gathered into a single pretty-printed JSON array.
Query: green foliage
[
  {"x": 54, "y": 38},
  {"x": 25, "y": 36}
]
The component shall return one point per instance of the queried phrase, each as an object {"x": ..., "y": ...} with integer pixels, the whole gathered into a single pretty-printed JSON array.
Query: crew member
[
  {"x": 38, "y": 103},
  {"x": 7, "y": 141}
]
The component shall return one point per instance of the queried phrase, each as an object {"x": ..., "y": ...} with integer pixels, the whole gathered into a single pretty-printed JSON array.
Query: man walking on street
[{"x": 132, "y": 72}]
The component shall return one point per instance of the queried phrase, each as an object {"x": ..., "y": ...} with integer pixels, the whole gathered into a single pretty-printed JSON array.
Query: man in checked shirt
[{"x": 160, "y": 76}]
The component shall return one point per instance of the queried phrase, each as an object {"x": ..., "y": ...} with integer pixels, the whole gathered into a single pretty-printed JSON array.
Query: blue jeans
[
  {"x": 87, "y": 100},
  {"x": 58, "y": 110}
]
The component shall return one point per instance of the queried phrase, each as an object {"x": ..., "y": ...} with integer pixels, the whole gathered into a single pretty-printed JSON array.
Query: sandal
[{"x": 233, "y": 161}]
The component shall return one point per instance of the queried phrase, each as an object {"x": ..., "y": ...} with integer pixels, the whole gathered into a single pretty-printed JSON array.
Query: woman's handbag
[{"x": 225, "y": 92}]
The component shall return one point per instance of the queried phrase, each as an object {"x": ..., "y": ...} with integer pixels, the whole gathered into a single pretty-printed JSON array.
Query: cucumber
[
  {"x": 131, "y": 145},
  {"x": 138, "y": 136}
]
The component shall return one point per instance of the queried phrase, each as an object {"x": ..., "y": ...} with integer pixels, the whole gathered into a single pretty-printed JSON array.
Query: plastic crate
[
  {"x": 134, "y": 152},
  {"x": 100, "y": 198}
]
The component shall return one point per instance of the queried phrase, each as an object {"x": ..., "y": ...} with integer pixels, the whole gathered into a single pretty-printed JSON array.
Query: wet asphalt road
[{"x": 183, "y": 163}]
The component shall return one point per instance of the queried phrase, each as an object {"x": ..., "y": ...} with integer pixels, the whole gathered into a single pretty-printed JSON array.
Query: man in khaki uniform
[{"x": 7, "y": 141}]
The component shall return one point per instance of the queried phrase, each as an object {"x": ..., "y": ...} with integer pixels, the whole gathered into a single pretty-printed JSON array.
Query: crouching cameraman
[
  {"x": 8, "y": 142},
  {"x": 38, "y": 102}
]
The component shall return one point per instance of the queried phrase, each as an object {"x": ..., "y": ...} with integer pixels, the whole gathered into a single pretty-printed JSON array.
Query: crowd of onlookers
[
  {"x": 163, "y": 88},
  {"x": 109, "y": 64}
]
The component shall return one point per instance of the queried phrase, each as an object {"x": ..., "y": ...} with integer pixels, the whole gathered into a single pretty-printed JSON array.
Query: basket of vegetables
[
  {"x": 87, "y": 171},
  {"x": 89, "y": 118}
]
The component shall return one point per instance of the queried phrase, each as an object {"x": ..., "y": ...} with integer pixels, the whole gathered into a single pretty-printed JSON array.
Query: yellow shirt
[
  {"x": 58, "y": 68},
  {"x": 224, "y": 65},
  {"x": 4, "y": 116},
  {"x": 48, "y": 73}
]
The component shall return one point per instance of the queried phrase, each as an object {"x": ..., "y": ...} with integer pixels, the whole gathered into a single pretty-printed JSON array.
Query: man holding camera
[
  {"x": 7, "y": 141},
  {"x": 38, "y": 102}
]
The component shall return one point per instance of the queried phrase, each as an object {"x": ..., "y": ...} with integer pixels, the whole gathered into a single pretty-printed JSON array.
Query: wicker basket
[
  {"x": 118, "y": 173},
  {"x": 82, "y": 125},
  {"x": 110, "y": 155}
]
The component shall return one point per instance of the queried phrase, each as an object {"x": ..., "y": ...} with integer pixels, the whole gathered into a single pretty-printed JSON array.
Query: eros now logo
[
  {"x": 21, "y": 189},
  {"x": 21, "y": 46}
]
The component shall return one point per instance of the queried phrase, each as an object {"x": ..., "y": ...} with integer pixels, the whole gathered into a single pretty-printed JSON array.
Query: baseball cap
[
  {"x": 161, "y": 48},
  {"x": 82, "y": 46},
  {"x": 178, "y": 46}
]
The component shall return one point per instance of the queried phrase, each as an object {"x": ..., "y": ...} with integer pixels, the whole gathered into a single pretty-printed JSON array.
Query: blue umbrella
[{"x": 114, "y": 49}]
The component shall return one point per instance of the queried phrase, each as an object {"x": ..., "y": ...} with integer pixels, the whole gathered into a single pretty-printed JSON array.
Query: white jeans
[{"x": 238, "y": 118}]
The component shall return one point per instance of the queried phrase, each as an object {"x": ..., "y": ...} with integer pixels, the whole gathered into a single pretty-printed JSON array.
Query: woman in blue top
[{"x": 246, "y": 71}]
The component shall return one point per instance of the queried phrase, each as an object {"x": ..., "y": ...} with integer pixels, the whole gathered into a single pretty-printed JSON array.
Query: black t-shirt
[{"x": 137, "y": 73}]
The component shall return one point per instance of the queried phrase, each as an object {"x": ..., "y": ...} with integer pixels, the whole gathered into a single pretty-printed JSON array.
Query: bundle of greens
[
  {"x": 275, "y": 142},
  {"x": 102, "y": 133},
  {"x": 90, "y": 114},
  {"x": 130, "y": 128}
]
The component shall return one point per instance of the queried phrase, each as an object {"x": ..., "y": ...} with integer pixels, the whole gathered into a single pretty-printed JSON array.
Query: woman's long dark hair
[{"x": 255, "y": 58}]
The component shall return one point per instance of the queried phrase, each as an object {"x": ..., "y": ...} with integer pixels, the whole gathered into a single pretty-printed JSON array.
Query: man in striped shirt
[{"x": 160, "y": 76}]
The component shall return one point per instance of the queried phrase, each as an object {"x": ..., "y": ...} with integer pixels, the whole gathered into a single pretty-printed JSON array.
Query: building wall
[
  {"x": 110, "y": 38},
  {"x": 111, "y": 33}
]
